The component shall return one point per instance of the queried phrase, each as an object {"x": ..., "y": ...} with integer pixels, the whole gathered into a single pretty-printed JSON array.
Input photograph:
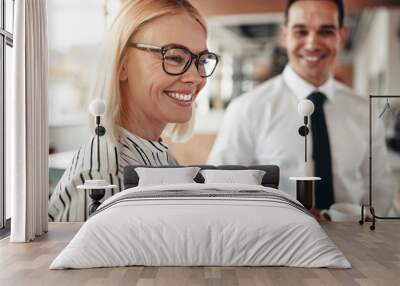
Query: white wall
[
  {"x": 76, "y": 31},
  {"x": 377, "y": 66},
  {"x": 393, "y": 71},
  {"x": 69, "y": 137},
  {"x": 377, "y": 55}
]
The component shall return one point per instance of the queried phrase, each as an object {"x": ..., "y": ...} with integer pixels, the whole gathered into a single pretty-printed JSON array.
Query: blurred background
[{"x": 246, "y": 36}]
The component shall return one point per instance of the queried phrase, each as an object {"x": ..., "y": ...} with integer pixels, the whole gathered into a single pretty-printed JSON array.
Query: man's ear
[
  {"x": 123, "y": 73},
  {"x": 283, "y": 34},
  {"x": 343, "y": 32}
]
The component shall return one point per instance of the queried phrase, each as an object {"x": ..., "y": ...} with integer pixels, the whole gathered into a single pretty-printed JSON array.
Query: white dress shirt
[{"x": 261, "y": 127}]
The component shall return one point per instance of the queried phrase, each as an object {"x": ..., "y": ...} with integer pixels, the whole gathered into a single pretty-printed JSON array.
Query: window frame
[{"x": 6, "y": 39}]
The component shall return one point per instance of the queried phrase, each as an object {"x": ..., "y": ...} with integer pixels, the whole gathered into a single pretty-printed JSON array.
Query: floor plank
[{"x": 374, "y": 255}]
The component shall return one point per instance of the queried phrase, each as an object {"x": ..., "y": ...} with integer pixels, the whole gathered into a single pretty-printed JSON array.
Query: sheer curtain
[{"x": 27, "y": 135}]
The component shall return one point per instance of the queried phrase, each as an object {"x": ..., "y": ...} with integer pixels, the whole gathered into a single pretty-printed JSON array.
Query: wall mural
[{"x": 250, "y": 53}]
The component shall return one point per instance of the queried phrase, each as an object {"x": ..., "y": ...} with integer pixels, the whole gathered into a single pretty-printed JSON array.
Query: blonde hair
[{"x": 132, "y": 16}]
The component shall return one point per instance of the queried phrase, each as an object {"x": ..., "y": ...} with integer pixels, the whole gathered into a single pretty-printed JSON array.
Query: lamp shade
[
  {"x": 97, "y": 107},
  {"x": 305, "y": 107}
]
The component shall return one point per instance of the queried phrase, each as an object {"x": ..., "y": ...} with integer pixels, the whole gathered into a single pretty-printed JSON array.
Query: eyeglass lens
[{"x": 178, "y": 60}]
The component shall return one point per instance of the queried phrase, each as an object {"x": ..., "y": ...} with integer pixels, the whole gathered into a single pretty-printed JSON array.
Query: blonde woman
[{"x": 156, "y": 63}]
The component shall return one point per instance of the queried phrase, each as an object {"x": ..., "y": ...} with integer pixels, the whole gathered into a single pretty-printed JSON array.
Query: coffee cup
[{"x": 343, "y": 212}]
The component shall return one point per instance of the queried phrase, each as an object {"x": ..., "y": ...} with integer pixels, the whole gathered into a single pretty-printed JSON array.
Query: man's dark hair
[{"x": 339, "y": 5}]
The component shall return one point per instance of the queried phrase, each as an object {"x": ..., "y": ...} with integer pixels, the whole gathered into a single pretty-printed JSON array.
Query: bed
[{"x": 201, "y": 224}]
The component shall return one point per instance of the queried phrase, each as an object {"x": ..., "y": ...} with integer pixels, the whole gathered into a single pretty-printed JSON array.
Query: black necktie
[{"x": 324, "y": 196}]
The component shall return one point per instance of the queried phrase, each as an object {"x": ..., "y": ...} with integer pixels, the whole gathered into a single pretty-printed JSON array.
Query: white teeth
[
  {"x": 312, "y": 58},
  {"x": 180, "y": 96}
]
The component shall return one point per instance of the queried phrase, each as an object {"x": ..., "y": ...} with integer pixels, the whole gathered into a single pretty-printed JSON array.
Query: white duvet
[{"x": 224, "y": 225}]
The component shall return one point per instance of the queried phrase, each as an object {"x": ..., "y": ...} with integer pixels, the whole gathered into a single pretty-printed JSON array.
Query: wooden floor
[{"x": 374, "y": 255}]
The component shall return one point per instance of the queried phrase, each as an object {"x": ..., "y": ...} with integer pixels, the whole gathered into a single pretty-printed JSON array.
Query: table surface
[
  {"x": 61, "y": 160},
  {"x": 305, "y": 178},
  {"x": 374, "y": 255}
]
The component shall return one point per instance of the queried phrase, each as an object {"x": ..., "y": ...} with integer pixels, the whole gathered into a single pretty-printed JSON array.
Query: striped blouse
[{"x": 67, "y": 203}]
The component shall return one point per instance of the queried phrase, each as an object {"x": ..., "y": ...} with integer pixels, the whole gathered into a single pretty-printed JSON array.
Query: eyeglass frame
[{"x": 163, "y": 50}]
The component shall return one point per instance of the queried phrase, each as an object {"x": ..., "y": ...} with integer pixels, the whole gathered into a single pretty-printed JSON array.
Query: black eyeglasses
[{"x": 176, "y": 60}]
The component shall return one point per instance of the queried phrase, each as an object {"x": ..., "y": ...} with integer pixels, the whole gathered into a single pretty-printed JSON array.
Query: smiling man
[
  {"x": 261, "y": 127},
  {"x": 313, "y": 34}
]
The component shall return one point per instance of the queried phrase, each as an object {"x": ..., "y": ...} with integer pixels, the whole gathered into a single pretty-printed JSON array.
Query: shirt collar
[
  {"x": 126, "y": 134},
  {"x": 302, "y": 88}
]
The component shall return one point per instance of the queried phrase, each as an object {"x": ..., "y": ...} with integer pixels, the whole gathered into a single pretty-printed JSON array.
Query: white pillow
[
  {"x": 162, "y": 176},
  {"x": 248, "y": 177}
]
